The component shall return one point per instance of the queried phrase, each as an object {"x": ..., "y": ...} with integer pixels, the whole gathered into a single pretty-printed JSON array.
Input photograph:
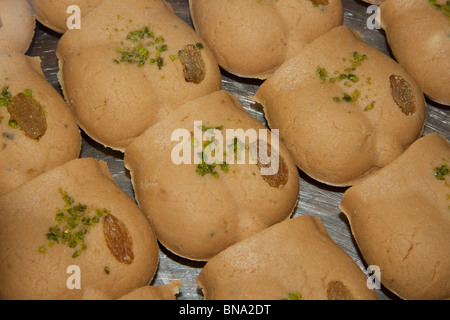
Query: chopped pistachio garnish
[
  {"x": 73, "y": 222},
  {"x": 323, "y": 74},
  {"x": 443, "y": 8},
  {"x": 139, "y": 48},
  {"x": 348, "y": 76},
  {"x": 295, "y": 296},
  {"x": 370, "y": 106},
  {"x": 5, "y": 97},
  {"x": 204, "y": 168},
  {"x": 441, "y": 172}
]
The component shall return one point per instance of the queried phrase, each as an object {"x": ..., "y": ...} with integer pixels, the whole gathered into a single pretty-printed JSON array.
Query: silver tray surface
[{"x": 314, "y": 199}]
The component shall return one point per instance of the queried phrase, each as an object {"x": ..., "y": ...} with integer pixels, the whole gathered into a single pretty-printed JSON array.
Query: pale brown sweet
[
  {"x": 418, "y": 35},
  {"x": 113, "y": 96},
  {"x": 44, "y": 133},
  {"x": 17, "y": 23},
  {"x": 400, "y": 220},
  {"x": 198, "y": 212},
  {"x": 55, "y": 13},
  {"x": 343, "y": 108},
  {"x": 294, "y": 259},
  {"x": 251, "y": 38},
  {"x": 165, "y": 292},
  {"x": 110, "y": 257}
]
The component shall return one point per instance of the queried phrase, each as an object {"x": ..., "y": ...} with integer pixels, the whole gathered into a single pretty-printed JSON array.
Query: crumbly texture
[
  {"x": 23, "y": 157},
  {"x": 17, "y": 23},
  {"x": 343, "y": 108},
  {"x": 53, "y": 13},
  {"x": 418, "y": 35},
  {"x": 196, "y": 211},
  {"x": 165, "y": 292},
  {"x": 400, "y": 218},
  {"x": 35, "y": 266},
  {"x": 125, "y": 69},
  {"x": 294, "y": 259},
  {"x": 251, "y": 38}
]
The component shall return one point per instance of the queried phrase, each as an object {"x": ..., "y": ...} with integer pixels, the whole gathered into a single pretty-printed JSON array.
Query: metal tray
[{"x": 314, "y": 199}]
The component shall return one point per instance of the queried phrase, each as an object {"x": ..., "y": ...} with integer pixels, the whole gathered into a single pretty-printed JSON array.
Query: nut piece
[
  {"x": 194, "y": 66},
  {"x": 403, "y": 94},
  {"x": 29, "y": 115},
  {"x": 338, "y": 291},
  {"x": 118, "y": 239},
  {"x": 278, "y": 179}
]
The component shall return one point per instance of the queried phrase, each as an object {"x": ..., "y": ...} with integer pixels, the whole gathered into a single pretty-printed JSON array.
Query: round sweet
[
  {"x": 418, "y": 34},
  {"x": 292, "y": 260},
  {"x": 129, "y": 66},
  {"x": 17, "y": 23},
  {"x": 251, "y": 38},
  {"x": 204, "y": 184},
  {"x": 343, "y": 108},
  {"x": 72, "y": 233},
  {"x": 54, "y": 14},
  {"x": 37, "y": 129},
  {"x": 400, "y": 220}
]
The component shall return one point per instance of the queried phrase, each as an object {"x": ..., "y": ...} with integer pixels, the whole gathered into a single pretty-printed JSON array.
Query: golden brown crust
[
  {"x": 338, "y": 96},
  {"x": 196, "y": 216},
  {"x": 53, "y": 13},
  {"x": 22, "y": 157},
  {"x": 417, "y": 34},
  {"x": 295, "y": 257},
  {"x": 34, "y": 266},
  {"x": 115, "y": 101},
  {"x": 252, "y": 38},
  {"x": 17, "y": 23},
  {"x": 400, "y": 220}
]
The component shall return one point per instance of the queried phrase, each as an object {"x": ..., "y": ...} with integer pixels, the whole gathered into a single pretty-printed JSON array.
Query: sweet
[
  {"x": 37, "y": 130},
  {"x": 294, "y": 259},
  {"x": 55, "y": 14},
  {"x": 400, "y": 220},
  {"x": 210, "y": 175},
  {"x": 129, "y": 66},
  {"x": 343, "y": 108},
  {"x": 251, "y": 38},
  {"x": 17, "y": 23},
  {"x": 417, "y": 33},
  {"x": 72, "y": 233}
]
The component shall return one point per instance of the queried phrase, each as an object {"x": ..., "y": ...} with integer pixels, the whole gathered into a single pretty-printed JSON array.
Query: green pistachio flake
[
  {"x": 106, "y": 270},
  {"x": 443, "y": 8},
  {"x": 140, "y": 47},
  {"x": 441, "y": 172},
  {"x": 295, "y": 296},
  {"x": 73, "y": 222},
  {"x": 323, "y": 74},
  {"x": 369, "y": 107},
  {"x": 205, "y": 168}
]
